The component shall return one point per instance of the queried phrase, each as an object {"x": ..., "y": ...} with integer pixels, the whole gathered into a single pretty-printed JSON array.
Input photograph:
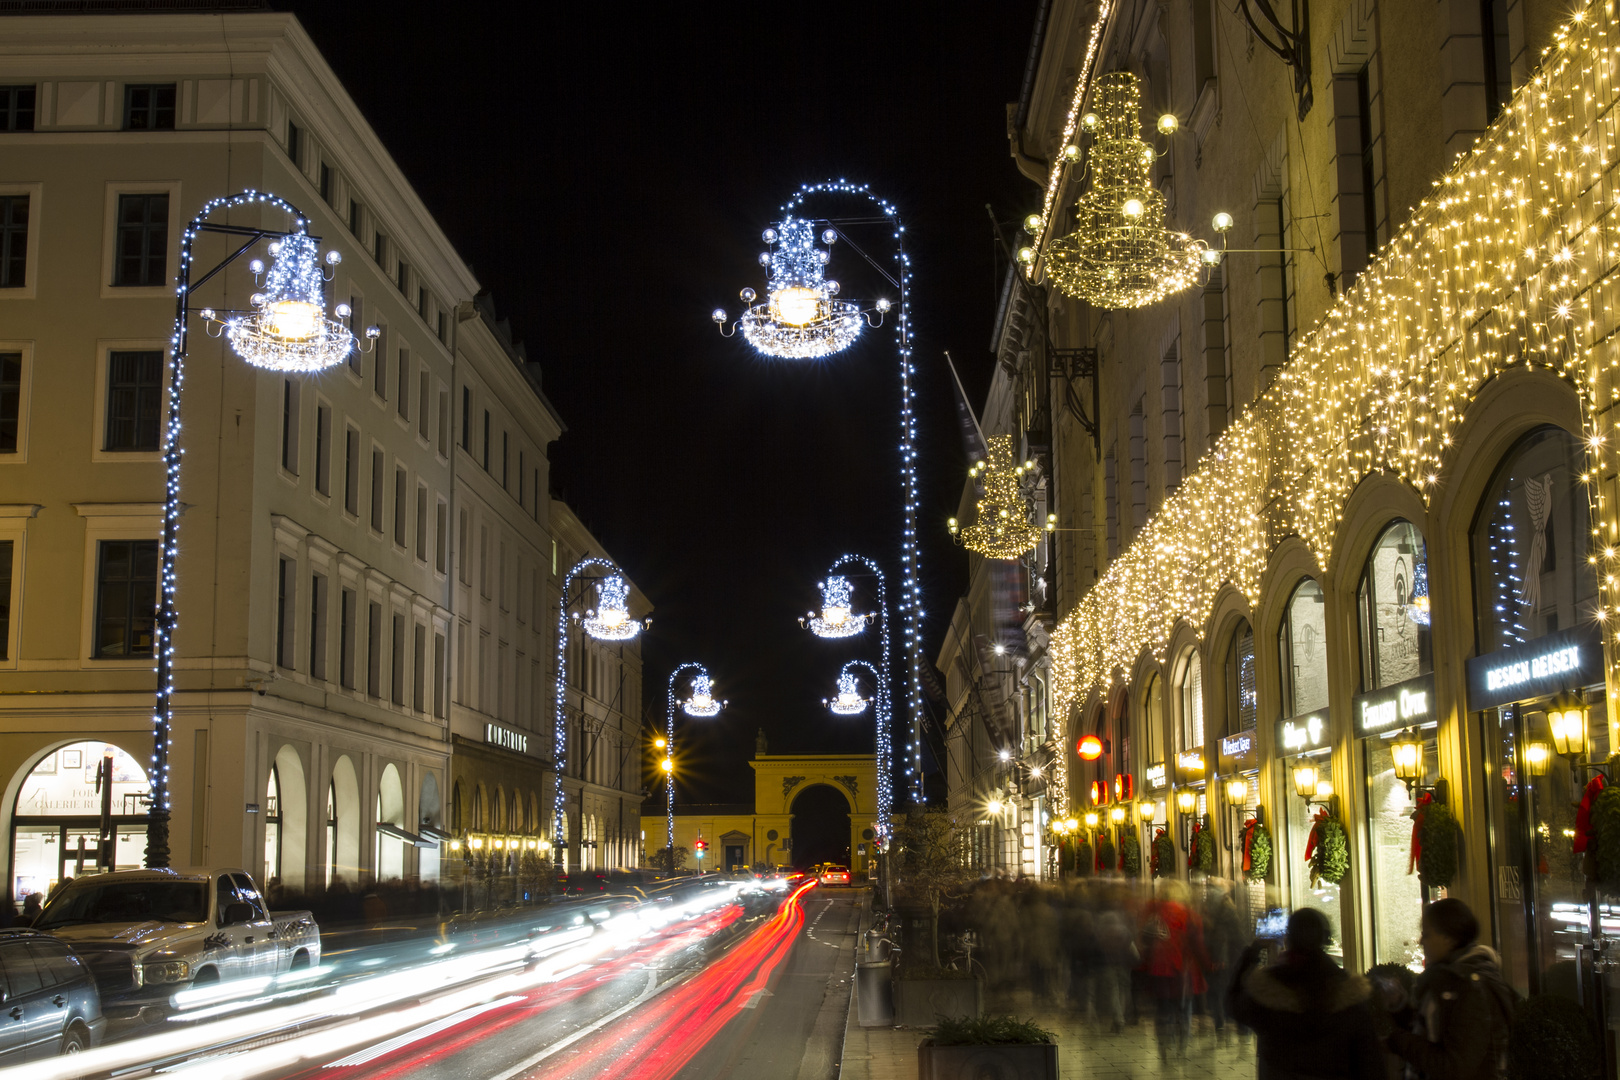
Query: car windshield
[
  {"x": 837, "y": 869},
  {"x": 126, "y": 902}
]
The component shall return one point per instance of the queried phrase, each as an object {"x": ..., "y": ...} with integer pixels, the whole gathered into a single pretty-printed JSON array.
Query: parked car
[
  {"x": 48, "y": 999},
  {"x": 147, "y": 932},
  {"x": 833, "y": 874}
]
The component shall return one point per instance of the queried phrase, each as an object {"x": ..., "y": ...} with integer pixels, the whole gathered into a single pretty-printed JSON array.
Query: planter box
[
  {"x": 921, "y": 1002},
  {"x": 1034, "y": 1062}
]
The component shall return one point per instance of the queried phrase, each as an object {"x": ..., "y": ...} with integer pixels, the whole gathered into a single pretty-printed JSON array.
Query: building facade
[{"x": 1351, "y": 490}]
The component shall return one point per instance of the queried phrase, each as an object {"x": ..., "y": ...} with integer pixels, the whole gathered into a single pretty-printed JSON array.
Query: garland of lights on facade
[
  {"x": 1070, "y": 152},
  {"x": 910, "y": 602},
  {"x": 1511, "y": 261}
]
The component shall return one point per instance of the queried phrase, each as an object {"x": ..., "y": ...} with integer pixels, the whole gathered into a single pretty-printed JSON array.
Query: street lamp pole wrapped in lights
[
  {"x": 702, "y": 704},
  {"x": 849, "y": 701},
  {"x": 801, "y": 319}
]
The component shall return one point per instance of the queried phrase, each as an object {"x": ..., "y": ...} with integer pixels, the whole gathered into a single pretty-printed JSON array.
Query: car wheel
[
  {"x": 300, "y": 960},
  {"x": 75, "y": 1041},
  {"x": 206, "y": 975}
]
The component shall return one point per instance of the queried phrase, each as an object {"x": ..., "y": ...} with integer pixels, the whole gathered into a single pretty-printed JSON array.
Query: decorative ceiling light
[
  {"x": 1003, "y": 529},
  {"x": 702, "y": 702},
  {"x": 800, "y": 319},
  {"x": 849, "y": 701},
  {"x": 288, "y": 328},
  {"x": 1121, "y": 255},
  {"x": 837, "y": 619},
  {"x": 611, "y": 620}
]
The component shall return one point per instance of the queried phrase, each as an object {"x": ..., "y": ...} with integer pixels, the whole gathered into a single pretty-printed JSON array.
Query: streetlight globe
[
  {"x": 1091, "y": 820},
  {"x": 1223, "y": 221},
  {"x": 667, "y": 765},
  {"x": 1186, "y": 802},
  {"x": 1168, "y": 123}
]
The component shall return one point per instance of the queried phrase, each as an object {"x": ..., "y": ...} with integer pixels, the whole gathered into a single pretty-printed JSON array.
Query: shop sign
[
  {"x": 1189, "y": 765},
  {"x": 1407, "y": 704},
  {"x": 1302, "y": 733},
  {"x": 1561, "y": 661},
  {"x": 1154, "y": 775},
  {"x": 506, "y": 738},
  {"x": 1236, "y": 753}
]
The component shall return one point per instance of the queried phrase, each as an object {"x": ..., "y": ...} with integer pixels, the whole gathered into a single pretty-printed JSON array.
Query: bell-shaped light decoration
[
  {"x": 611, "y": 620},
  {"x": 849, "y": 701},
  {"x": 702, "y": 702},
  {"x": 1002, "y": 529},
  {"x": 288, "y": 328},
  {"x": 837, "y": 618},
  {"x": 1121, "y": 255},
  {"x": 800, "y": 319}
]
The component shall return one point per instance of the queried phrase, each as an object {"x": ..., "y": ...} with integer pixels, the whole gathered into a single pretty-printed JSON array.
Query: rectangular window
[
  {"x": 317, "y": 627},
  {"x": 326, "y": 183},
  {"x": 402, "y": 273},
  {"x": 441, "y": 528},
  {"x": 1138, "y": 478},
  {"x": 150, "y": 107},
  {"x": 422, "y": 403},
  {"x": 13, "y": 241},
  {"x": 421, "y": 522},
  {"x": 506, "y": 443},
  {"x": 126, "y": 598},
  {"x": 1111, "y": 502},
  {"x": 357, "y": 324},
  {"x": 17, "y": 108},
  {"x": 535, "y": 509},
  {"x": 461, "y": 548},
  {"x": 404, "y": 384},
  {"x": 286, "y": 589},
  {"x": 421, "y": 302},
  {"x": 442, "y": 338},
  {"x": 483, "y": 561},
  {"x": 377, "y": 491},
  {"x": 1175, "y": 441},
  {"x": 486, "y": 440},
  {"x": 374, "y": 649},
  {"x": 354, "y": 218},
  {"x": 351, "y": 471},
  {"x": 10, "y": 401},
  {"x": 290, "y": 402},
  {"x": 399, "y": 507},
  {"x": 6, "y": 549},
  {"x": 1216, "y": 376},
  {"x": 520, "y": 479},
  {"x": 444, "y": 423},
  {"x": 419, "y": 668},
  {"x": 143, "y": 240},
  {"x": 134, "y": 400},
  {"x": 379, "y": 248},
  {"x": 379, "y": 369},
  {"x": 466, "y": 418},
  {"x": 438, "y": 675},
  {"x": 346, "y": 640},
  {"x": 323, "y": 449},
  {"x": 295, "y": 144},
  {"x": 396, "y": 678}
]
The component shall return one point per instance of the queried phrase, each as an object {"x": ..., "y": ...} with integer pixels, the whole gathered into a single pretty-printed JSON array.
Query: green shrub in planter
[
  {"x": 1259, "y": 854},
  {"x": 989, "y": 1031},
  {"x": 1082, "y": 860},
  {"x": 1438, "y": 864},
  {"x": 1551, "y": 1036},
  {"x": 1203, "y": 851},
  {"x": 1606, "y": 827},
  {"x": 999, "y": 1046},
  {"x": 1130, "y": 855},
  {"x": 1106, "y": 854},
  {"x": 1164, "y": 856}
]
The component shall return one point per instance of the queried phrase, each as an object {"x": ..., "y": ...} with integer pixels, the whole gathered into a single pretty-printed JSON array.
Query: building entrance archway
[
  {"x": 56, "y": 820},
  {"x": 820, "y": 826}
]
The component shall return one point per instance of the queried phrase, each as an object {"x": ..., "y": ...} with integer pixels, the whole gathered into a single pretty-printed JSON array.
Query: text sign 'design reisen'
[
  {"x": 1299, "y": 734},
  {"x": 496, "y": 735},
  {"x": 1550, "y": 664},
  {"x": 1407, "y": 704}
]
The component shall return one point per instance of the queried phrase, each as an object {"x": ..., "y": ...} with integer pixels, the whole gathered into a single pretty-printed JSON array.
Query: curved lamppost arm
[
  {"x": 885, "y": 702},
  {"x": 910, "y": 600},
  {"x": 669, "y": 777}
]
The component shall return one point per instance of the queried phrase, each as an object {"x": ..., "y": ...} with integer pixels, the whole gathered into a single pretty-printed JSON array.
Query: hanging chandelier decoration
[
  {"x": 702, "y": 703},
  {"x": 611, "y": 620},
  {"x": 837, "y": 618},
  {"x": 288, "y": 328},
  {"x": 849, "y": 701},
  {"x": 1120, "y": 254},
  {"x": 800, "y": 318},
  {"x": 1003, "y": 529}
]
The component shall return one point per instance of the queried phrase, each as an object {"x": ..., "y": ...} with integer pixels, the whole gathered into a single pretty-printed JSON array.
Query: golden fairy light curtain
[{"x": 1510, "y": 261}]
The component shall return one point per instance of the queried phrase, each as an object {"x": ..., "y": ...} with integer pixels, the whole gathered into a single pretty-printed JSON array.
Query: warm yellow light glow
[
  {"x": 1091, "y": 820},
  {"x": 1407, "y": 752},
  {"x": 1132, "y": 208},
  {"x": 796, "y": 305},
  {"x": 1237, "y": 792},
  {"x": 1568, "y": 724},
  {"x": 660, "y": 742},
  {"x": 1072, "y": 824},
  {"x": 1186, "y": 802},
  {"x": 293, "y": 320},
  {"x": 1117, "y": 815},
  {"x": 835, "y": 616},
  {"x": 1145, "y": 809},
  {"x": 1536, "y": 757},
  {"x": 1324, "y": 790},
  {"x": 1305, "y": 779},
  {"x": 1222, "y": 222},
  {"x": 1033, "y": 223},
  {"x": 995, "y": 806},
  {"x": 667, "y": 765},
  {"x": 1168, "y": 124},
  {"x": 476, "y": 843}
]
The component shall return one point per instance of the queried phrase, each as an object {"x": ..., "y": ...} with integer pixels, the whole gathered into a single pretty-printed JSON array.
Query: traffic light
[{"x": 701, "y": 846}]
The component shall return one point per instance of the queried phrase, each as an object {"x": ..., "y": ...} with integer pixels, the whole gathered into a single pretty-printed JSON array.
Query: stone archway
[{"x": 821, "y": 826}]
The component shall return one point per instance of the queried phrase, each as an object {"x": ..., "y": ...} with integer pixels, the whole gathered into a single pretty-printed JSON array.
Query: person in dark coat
[
  {"x": 1463, "y": 1005},
  {"x": 1309, "y": 1017}
]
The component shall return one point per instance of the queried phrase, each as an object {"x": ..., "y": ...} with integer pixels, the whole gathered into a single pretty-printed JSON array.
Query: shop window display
[
  {"x": 1395, "y": 884},
  {"x": 1299, "y": 817},
  {"x": 1242, "y": 701},
  {"x": 1302, "y": 648},
  {"x": 56, "y": 820},
  {"x": 1394, "y": 609}
]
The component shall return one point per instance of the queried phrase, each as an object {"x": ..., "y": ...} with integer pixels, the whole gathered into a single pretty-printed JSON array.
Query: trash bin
[{"x": 874, "y": 993}]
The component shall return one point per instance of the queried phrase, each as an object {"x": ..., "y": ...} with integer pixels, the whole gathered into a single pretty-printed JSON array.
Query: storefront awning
[{"x": 409, "y": 837}]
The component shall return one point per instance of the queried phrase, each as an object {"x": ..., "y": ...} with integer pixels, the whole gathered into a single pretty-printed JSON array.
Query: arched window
[
  {"x": 455, "y": 807},
  {"x": 331, "y": 831},
  {"x": 1302, "y": 651},
  {"x": 1394, "y": 609},
  {"x": 1242, "y": 703},
  {"x": 478, "y": 808},
  {"x": 1153, "y": 722},
  {"x": 514, "y": 816},
  {"x": 1190, "y": 711},
  {"x": 497, "y": 811},
  {"x": 272, "y": 827}
]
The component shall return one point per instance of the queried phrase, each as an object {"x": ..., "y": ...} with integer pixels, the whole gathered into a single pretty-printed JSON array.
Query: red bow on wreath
[
  {"x": 1583, "y": 816},
  {"x": 1249, "y": 827},
  {"x": 1316, "y": 830},
  {"x": 1418, "y": 813}
]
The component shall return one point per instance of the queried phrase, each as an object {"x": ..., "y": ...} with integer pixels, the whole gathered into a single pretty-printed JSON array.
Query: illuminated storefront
[{"x": 57, "y": 820}]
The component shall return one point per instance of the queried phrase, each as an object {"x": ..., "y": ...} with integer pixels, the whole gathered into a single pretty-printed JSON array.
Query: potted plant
[
  {"x": 965, "y": 1048},
  {"x": 931, "y": 868}
]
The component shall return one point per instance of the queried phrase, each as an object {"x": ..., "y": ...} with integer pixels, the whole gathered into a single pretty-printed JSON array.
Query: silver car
[{"x": 48, "y": 999}]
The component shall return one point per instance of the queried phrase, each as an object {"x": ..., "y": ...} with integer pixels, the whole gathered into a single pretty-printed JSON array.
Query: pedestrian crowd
[{"x": 1119, "y": 955}]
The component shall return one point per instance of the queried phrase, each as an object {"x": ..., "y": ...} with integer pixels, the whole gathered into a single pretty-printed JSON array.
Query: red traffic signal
[{"x": 701, "y": 845}]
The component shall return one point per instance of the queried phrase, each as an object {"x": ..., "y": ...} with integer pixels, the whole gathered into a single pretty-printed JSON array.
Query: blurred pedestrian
[
  {"x": 1174, "y": 961},
  {"x": 1224, "y": 939},
  {"x": 1117, "y": 954},
  {"x": 1312, "y": 1020},
  {"x": 32, "y": 904},
  {"x": 1463, "y": 1006}
]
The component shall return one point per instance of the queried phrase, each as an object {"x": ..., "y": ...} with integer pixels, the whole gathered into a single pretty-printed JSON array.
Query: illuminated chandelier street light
[
  {"x": 1002, "y": 529},
  {"x": 1121, "y": 254},
  {"x": 836, "y": 612},
  {"x": 609, "y": 621},
  {"x": 702, "y": 704},
  {"x": 287, "y": 330},
  {"x": 849, "y": 701},
  {"x": 802, "y": 267}
]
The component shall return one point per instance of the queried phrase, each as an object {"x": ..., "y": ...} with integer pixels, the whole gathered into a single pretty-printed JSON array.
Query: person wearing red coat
[{"x": 1174, "y": 961}]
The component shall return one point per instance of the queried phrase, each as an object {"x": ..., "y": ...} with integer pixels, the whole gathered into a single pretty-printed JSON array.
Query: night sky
[{"x": 607, "y": 171}]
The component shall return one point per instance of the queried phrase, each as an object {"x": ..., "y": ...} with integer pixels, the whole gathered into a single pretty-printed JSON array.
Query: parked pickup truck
[{"x": 145, "y": 933}]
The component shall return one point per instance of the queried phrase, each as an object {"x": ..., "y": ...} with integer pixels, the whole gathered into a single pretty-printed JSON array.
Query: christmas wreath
[
  {"x": 1107, "y": 858},
  {"x": 1328, "y": 849},
  {"x": 1202, "y": 857},
  {"x": 1130, "y": 855},
  {"x": 1082, "y": 859},
  {"x": 1435, "y": 843},
  {"x": 1605, "y": 830},
  {"x": 1164, "y": 855},
  {"x": 1256, "y": 850}
]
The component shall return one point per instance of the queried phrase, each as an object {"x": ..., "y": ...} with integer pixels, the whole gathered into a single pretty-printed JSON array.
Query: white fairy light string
[
  {"x": 799, "y": 319},
  {"x": 692, "y": 706},
  {"x": 1069, "y": 153},
  {"x": 1510, "y": 262},
  {"x": 849, "y": 701},
  {"x": 837, "y": 618}
]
